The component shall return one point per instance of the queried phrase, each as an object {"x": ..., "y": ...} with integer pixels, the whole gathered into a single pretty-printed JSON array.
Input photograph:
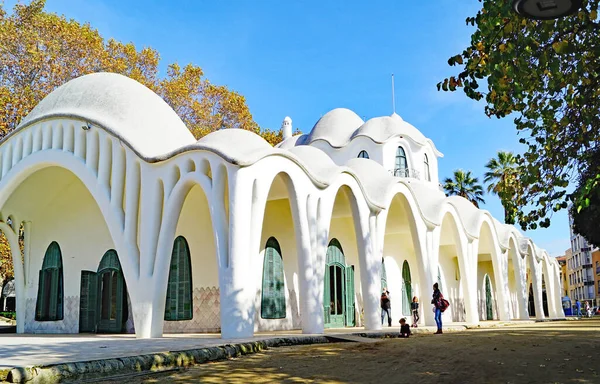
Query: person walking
[
  {"x": 578, "y": 306},
  {"x": 386, "y": 307},
  {"x": 437, "y": 303}
]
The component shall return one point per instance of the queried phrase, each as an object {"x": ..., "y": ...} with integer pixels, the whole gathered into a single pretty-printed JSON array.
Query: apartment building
[
  {"x": 596, "y": 265},
  {"x": 580, "y": 269}
]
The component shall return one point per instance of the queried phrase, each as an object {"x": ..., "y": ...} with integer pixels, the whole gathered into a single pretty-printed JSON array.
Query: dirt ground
[{"x": 552, "y": 352}]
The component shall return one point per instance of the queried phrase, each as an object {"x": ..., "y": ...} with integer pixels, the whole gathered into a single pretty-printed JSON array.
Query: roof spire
[{"x": 393, "y": 96}]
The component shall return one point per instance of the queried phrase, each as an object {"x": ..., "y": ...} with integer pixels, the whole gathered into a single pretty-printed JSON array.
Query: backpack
[{"x": 444, "y": 304}]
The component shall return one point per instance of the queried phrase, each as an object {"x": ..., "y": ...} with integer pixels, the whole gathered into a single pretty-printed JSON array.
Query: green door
[
  {"x": 406, "y": 289},
  {"x": 88, "y": 301},
  {"x": 488, "y": 299},
  {"x": 338, "y": 293},
  {"x": 112, "y": 303}
]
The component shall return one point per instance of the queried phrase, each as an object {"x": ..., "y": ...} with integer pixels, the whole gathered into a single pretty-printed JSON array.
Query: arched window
[
  {"x": 401, "y": 166},
  {"x": 406, "y": 289},
  {"x": 272, "y": 304},
  {"x": 363, "y": 155},
  {"x": 179, "y": 305},
  {"x": 427, "y": 174},
  {"x": 49, "y": 306}
]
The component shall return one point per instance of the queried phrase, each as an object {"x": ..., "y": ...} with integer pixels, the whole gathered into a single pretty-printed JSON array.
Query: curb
[{"x": 70, "y": 372}]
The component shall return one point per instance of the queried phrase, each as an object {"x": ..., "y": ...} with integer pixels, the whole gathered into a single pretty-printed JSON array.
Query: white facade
[{"x": 103, "y": 164}]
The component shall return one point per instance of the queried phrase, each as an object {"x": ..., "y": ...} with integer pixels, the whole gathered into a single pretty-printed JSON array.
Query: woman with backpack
[{"x": 440, "y": 304}]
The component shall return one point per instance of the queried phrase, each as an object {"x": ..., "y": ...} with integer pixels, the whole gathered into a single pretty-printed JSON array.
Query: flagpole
[{"x": 393, "y": 96}]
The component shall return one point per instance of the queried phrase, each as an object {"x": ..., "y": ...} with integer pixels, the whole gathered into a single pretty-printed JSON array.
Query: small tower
[{"x": 286, "y": 128}]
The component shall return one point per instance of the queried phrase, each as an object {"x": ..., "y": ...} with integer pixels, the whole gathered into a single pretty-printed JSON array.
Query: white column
[
  {"x": 19, "y": 273},
  {"x": 428, "y": 276},
  {"x": 502, "y": 291},
  {"x": 520, "y": 268},
  {"x": 370, "y": 266},
  {"x": 311, "y": 303},
  {"x": 237, "y": 301},
  {"x": 536, "y": 279},
  {"x": 469, "y": 266}
]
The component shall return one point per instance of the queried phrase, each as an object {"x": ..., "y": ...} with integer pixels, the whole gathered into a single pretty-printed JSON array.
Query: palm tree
[
  {"x": 502, "y": 179},
  {"x": 465, "y": 185}
]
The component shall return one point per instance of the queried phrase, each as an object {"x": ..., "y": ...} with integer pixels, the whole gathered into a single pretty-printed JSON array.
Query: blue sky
[{"x": 304, "y": 58}]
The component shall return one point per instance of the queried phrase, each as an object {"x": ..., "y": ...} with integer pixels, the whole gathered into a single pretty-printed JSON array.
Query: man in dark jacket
[{"x": 386, "y": 307}]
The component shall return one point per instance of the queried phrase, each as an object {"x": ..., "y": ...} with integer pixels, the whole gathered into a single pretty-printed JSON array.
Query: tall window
[
  {"x": 363, "y": 155},
  {"x": 49, "y": 306},
  {"x": 401, "y": 163},
  {"x": 272, "y": 304},
  {"x": 179, "y": 305},
  {"x": 426, "y": 163}
]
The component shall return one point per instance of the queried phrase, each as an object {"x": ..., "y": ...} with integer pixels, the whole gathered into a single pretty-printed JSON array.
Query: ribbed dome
[
  {"x": 380, "y": 129},
  {"x": 336, "y": 127},
  {"x": 121, "y": 105}
]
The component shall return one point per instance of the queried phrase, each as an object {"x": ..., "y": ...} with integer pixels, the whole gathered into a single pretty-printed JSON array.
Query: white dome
[
  {"x": 380, "y": 129},
  {"x": 120, "y": 105},
  {"x": 336, "y": 127}
]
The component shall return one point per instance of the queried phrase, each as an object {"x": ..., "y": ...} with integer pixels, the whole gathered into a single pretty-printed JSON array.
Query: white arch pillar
[
  {"x": 370, "y": 266},
  {"x": 19, "y": 271},
  {"x": 502, "y": 291},
  {"x": 311, "y": 302},
  {"x": 469, "y": 266},
  {"x": 536, "y": 280},
  {"x": 237, "y": 301}
]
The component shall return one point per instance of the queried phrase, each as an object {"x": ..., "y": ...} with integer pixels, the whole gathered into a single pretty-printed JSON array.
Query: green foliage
[
  {"x": 502, "y": 179},
  {"x": 465, "y": 185},
  {"x": 40, "y": 51},
  {"x": 547, "y": 74},
  {"x": 586, "y": 207},
  {"x": 9, "y": 315}
]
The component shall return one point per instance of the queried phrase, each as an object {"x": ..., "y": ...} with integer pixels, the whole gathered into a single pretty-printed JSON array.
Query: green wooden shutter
[
  {"x": 179, "y": 302},
  {"x": 54, "y": 294},
  {"x": 406, "y": 289},
  {"x": 119, "y": 300},
  {"x": 327, "y": 296},
  {"x": 88, "y": 301},
  {"x": 273, "y": 286},
  {"x": 350, "y": 296},
  {"x": 41, "y": 302},
  {"x": 488, "y": 299},
  {"x": 383, "y": 276},
  {"x": 278, "y": 285}
]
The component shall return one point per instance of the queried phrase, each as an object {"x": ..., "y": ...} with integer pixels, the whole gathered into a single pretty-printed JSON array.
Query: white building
[{"x": 130, "y": 223}]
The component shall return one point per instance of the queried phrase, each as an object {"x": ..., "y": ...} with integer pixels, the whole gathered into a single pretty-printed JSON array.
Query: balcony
[
  {"x": 406, "y": 172},
  {"x": 588, "y": 282}
]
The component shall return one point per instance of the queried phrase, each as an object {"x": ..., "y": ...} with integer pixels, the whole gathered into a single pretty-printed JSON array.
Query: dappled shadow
[{"x": 565, "y": 352}]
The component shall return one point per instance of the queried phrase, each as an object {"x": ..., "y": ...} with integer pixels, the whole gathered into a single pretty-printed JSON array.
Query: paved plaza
[
  {"x": 28, "y": 350},
  {"x": 548, "y": 352}
]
